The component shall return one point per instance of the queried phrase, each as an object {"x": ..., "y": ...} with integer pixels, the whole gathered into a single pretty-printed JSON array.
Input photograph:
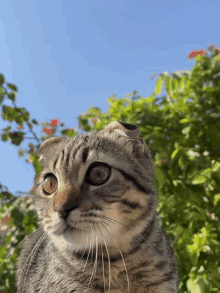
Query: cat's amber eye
[
  {"x": 50, "y": 184},
  {"x": 98, "y": 173}
]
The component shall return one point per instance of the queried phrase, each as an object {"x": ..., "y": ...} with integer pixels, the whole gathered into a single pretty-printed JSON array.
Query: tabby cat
[{"x": 96, "y": 202}]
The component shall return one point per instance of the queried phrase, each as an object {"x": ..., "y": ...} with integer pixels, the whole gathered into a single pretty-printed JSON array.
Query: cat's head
[{"x": 95, "y": 187}]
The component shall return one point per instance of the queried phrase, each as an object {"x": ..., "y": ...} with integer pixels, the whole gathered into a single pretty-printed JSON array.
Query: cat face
[{"x": 95, "y": 189}]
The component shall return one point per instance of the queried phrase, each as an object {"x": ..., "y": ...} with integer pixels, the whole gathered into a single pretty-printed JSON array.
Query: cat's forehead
[
  {"x": 92, "y": 140},
  {"x": 70, "y": 146}
]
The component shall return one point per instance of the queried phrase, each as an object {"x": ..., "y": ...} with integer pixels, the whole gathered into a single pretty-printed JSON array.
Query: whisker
[
  {"x": 122, "y": 259},
  {"x": 96, "y": 260},
  {"x": 21, "y": 242},
  {"x": 87, "y": 256},
  {"x": 138, "y": 263},
  {"x": 32, "y": 253},
  {"x": 96, "y": 257},
  {"x": 102, "y": 259},
  {"x": 85, "y": 248},
  {"x": 92, "y": 245},
  {"x": 110, "y": 219},
  {"x": 109, "y": 264},
  {"x": 95, "y": 263}
]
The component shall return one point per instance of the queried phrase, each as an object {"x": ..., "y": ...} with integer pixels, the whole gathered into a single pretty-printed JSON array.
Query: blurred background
[{"x": 65, "y": 56}]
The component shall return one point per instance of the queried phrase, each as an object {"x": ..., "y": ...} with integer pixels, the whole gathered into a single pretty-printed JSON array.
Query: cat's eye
[
  {"x": 98, "y": 173},
  {"x": 50, "y": 184}
]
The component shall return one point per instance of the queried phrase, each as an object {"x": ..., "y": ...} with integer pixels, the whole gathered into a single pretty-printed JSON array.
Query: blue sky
[{"x": 65, "y": 56}]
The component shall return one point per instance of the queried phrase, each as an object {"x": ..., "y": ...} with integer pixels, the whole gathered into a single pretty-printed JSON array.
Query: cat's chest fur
[{"x": 50, "y": 270}]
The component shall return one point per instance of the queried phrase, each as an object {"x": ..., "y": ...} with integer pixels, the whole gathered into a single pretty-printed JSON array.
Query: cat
[{"x": 96, "y": 202}]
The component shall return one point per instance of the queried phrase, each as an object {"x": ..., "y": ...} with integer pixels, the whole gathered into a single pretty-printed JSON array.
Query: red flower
[
  {"x": 7, "y": 218},
  {"x": 19, "y": 127},
  {"x": 47, "y": 130},
  {"x": 195, "y": 53},
  {"x": 202, "y": 52},
  {"x": 54, "y": 122}
]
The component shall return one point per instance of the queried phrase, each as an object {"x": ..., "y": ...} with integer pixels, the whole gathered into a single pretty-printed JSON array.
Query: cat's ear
[
  {"x": 129, "y": 131},
  {"x": 121, "y": 128},
  {"x": 50, "y": 142}
]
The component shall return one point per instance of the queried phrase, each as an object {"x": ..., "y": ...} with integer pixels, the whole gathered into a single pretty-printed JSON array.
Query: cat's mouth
[
  {"x": 72, "y": 229},
  {"x": 83, "y": 226}
]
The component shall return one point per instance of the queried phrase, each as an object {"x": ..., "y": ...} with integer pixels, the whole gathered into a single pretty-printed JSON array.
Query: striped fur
[{"x": 97, "y": 238}]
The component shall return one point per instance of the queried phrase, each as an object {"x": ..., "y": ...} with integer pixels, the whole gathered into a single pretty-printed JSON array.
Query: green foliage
[{"x": 182, "y": 130}]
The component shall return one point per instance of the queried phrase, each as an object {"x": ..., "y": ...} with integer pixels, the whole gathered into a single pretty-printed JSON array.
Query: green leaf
[
  {"x": 17, "y": 215},
  {"x": 7, "y": 128},
  {"x": 150, "y": 99},
  {"x": 84, "y": 123},
  {"x": 5, "y": 137},
  {"x": 217, "y": 58},
  {"x": 19, "y": 119},
  {"x": 168, "y": 84},
  {"x": 174, "y": 153},
  {"x": 1, "y": 97},
  {"x": 158, "y": 85},
  {"x": 186, "y": 130},
  {"x": 216, "y": 199},
  {"x": 68, "y": 132},
  {"x": 11, "y": 96},
  {"x": 199, "y": 179},
  {"x": 195, "y": 286},
  {"x": 34, "y": 121},
  {"x": 3, "y": 249},
  {"x": 175, "y": 84},
  {"x": 8, "y": 238},
  {"x": 26, "y": 116},
  {"x": 12, "y": 87},
  {"x": 16, "y": 137},
  {"x": 159, "y": 175},
  {"x": 29, "y": 219},
  {"x": 2, "y": 80},
  {"x": 8, "y": 113},
  {"x": 185, "y": 120}
]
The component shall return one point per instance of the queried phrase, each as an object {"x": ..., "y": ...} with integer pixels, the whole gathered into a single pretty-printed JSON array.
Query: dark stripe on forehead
[
  {"x": 86, "y": 139},
  {"x": 65, "y": 151},
  {"x": 77, "y": 149},
  {"x": 55, "y": 163},
  {"x": 67, "y": 157},
  {"x": 85, "y": 154},
  {"x": 71, "y": 149},
  {"x": 62, "y": 155},
  {"x": 85, "y": 150}
]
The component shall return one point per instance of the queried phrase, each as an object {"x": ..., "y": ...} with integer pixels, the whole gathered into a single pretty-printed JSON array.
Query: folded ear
[
  {"x": 129, "y": 131},
  {"x": 48, "y": 144},
  {"x": 121, "y": 128}
]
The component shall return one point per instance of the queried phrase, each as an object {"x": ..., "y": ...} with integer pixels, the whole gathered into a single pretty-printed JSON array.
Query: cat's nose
[{"x": 65, "y": 209}]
